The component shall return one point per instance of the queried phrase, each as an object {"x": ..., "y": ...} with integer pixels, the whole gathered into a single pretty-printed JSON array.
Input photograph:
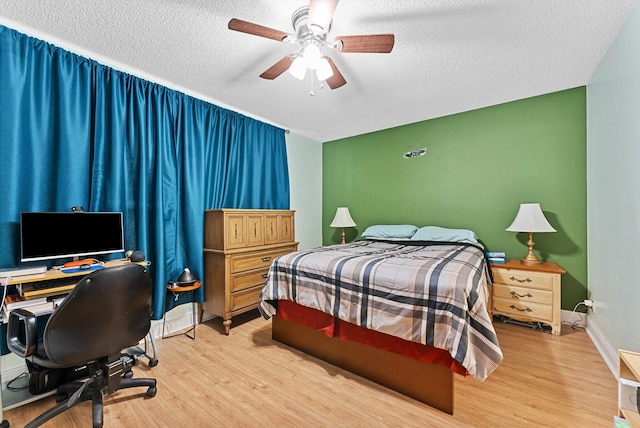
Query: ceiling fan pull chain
[{"x": 311, "y": 80}]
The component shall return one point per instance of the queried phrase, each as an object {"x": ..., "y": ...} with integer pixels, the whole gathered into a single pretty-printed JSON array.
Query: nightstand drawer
[
  {"x": 528, "y": 279},
  {"x": 523, "y": 309},
  {"x": 522, "y": 294}
]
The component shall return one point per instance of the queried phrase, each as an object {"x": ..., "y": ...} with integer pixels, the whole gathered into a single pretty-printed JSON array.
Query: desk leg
[{"x": 3, "y": 424}]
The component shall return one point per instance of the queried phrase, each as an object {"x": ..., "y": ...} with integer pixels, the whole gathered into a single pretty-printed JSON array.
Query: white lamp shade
[
  {"x": 342, "y": 218},
  {"x": 530, "y": 219},
  {"x": 324, "y": 70},
  {"x": 298, "y": 68},
  {"x": 311, "y": 56}
]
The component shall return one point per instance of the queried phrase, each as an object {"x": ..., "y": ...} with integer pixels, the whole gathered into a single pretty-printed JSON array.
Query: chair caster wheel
[
  {"x": 153, "y": 363},
  {"x": 128, "y": 374},
  {"x": 151, "y": 392}
]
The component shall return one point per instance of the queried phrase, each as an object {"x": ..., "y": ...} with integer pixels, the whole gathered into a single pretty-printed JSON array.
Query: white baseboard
[
  {"x": 173, "y": 324},
  {"x": 579, "y": 319},
  {"x": 608, "y": 353}
]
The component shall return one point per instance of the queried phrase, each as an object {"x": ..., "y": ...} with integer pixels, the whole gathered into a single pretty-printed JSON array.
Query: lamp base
[
  {"x": 530, "y": 261},
  {"x": 530, "y": 258}
]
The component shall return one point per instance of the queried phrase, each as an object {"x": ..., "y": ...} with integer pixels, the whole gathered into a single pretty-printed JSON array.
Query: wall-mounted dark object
[{"x": 415, "y": 153}]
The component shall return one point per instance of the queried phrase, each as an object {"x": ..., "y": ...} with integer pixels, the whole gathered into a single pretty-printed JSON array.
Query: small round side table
[{"x": 176, "y": 290}]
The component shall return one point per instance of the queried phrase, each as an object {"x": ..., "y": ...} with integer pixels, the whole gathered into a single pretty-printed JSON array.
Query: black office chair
[{"x": 106, "y": 312}]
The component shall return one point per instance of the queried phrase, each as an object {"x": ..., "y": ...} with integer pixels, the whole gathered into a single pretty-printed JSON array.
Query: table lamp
[
  {"x": 342, "y": 219},
  {"x": 530, "y": 219}
]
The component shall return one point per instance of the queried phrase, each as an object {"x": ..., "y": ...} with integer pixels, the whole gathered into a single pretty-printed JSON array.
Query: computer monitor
[{"x": 56, "y": 235}]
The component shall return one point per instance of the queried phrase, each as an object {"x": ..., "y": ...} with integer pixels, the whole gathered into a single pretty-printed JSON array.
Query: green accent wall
[{"x": 479, "y": 166}]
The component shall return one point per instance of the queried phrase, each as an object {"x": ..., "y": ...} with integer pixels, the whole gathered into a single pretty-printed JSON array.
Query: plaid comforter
[{"x": 430, "y": 293}]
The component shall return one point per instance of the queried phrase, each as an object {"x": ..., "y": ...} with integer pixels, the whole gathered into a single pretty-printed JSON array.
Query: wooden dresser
[
  {"x": 527, "y": 292},
  {"x": 239, "y": 248}
]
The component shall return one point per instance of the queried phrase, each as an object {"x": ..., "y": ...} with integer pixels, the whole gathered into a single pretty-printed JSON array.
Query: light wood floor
[{"x": 248, "y": 380}]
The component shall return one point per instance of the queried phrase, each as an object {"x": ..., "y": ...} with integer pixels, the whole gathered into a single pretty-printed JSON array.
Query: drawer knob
[
  {"x": 513, "y": 278},
  {"x": 265, "y": 276},
  {"x": 516, "y": 295},
  {"x": 521, "y": 310},
  {"x": 266, "y": 259}
]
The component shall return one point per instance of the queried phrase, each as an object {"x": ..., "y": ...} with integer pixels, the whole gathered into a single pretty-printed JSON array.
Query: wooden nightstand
[{"x": 527, "y": 292}]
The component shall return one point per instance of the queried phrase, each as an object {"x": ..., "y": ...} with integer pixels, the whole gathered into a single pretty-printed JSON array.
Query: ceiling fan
[{"x": 311, "y": 25}]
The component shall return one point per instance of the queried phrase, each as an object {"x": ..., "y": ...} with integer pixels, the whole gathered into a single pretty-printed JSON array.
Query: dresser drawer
[
  {"x": 522, "y": 294},
  {"x": 248, "y": 280},
  {"x": 527, "y": 310},
  {"x": 245, "y": 298},
  {"x": 258, "y": 260},
  {"x": 528, "y": 279}
]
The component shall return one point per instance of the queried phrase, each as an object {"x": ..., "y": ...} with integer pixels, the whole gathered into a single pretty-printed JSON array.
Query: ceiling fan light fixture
[
  {"x": 298, "y": 68},
  {"x": 324, "y": 70}
]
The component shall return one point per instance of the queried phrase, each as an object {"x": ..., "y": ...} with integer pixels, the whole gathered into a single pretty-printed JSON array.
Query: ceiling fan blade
[
  {"x": 278, "y": 68},
  {"x": 336, "y": 80},
  {"x": 320, "y": 15},
  {"x": 255, "y": 29},
  {"x": 373, "y": 43}
]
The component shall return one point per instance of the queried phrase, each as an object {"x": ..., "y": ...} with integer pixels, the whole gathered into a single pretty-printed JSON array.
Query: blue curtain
[{"x": 74, "y": 132}]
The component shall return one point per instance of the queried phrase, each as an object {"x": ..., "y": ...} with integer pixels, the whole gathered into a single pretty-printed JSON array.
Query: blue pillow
[
  {"x": 435, "y": 233},
  {"x": 390, "y": 231}
]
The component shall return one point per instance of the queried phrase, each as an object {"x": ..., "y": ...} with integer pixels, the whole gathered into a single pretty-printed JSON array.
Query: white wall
[
  {"x": 613, "y": 191},
  {"x": 305, "y": 178}
]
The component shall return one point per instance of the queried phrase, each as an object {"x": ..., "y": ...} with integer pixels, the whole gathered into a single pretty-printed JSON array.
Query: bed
[{"x": 407, "y": 314}]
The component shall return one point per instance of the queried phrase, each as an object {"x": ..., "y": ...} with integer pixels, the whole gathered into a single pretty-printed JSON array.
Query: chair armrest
[{"x": 22, "y": 332}]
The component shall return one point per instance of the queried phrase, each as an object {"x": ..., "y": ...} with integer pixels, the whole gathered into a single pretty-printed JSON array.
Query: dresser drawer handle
[
  {"x": 521, "y": 310},
  {"x": 265, "y": 275},
  {"x": 516, "y": 295},
  {"x": 266, "y": 259},
  {"x": 513, "y": 278}
]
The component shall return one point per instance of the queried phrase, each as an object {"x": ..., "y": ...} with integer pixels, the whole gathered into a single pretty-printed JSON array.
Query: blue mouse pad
[{"x": 76, "y": 269}]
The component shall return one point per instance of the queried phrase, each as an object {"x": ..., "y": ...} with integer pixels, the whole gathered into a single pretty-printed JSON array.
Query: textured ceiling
[{"x": 449, "y": 56}]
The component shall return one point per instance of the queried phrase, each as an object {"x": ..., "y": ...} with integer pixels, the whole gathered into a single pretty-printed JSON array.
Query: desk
[
  {"x": 57, "y": 273},
  {"x": 11, "y": 399}
]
